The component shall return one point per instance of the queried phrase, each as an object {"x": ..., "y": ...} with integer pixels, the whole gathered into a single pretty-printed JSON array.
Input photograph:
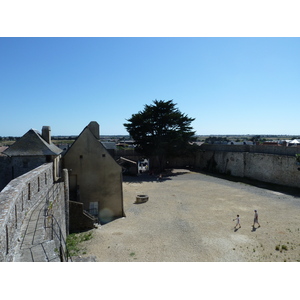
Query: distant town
[{"x": 122, "y": 140}]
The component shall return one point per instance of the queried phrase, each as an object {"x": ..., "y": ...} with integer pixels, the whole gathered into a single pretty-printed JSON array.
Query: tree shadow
[
  {"x": 146, "y": 177},
  {"x": 291, "y": 191}
]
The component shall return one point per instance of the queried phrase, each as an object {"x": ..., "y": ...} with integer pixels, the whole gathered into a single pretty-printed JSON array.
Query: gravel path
[{"x": 189, "y": 218}]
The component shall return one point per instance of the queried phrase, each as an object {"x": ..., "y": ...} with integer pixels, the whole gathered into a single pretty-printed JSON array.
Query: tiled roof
[{"x": 32, "y": 144}]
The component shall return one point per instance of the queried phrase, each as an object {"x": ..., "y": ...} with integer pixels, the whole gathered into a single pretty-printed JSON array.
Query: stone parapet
[{"x": 16, "y": 199}]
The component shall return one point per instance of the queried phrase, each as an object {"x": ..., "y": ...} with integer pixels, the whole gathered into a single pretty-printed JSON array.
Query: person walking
[
  {"x": 237, "y": 219},
  {"x": 255, "y": 219}
]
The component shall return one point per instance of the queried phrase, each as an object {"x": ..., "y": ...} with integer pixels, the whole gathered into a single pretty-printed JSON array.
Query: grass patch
[
  {"x": 283, "y": 247},
  {"x": 73, "y": 241}
]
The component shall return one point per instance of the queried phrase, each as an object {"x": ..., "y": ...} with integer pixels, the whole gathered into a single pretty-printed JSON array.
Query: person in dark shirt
[{"x": 255, "y": 219}]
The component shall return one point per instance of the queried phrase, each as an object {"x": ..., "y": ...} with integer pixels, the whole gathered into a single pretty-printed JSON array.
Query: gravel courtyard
[{"x": 189, "y": 218}]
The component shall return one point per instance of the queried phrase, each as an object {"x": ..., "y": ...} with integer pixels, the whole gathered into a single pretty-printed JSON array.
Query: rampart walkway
[{"x": 32, "y": 246}]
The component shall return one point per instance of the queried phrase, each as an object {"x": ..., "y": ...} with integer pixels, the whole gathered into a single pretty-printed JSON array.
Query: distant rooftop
[{"x": 32, "y": 144}]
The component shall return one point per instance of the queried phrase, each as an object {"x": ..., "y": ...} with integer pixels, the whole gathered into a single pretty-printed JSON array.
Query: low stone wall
[{"x": 15, "y": 201}]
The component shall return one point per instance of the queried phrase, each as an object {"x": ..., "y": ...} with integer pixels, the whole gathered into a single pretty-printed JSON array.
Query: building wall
[
  {"x": 19, "y": 196},
  {"x": 5, "y": 172},
  {"x": 15, "y": 166},
  {"x": 94, "y": 176}
]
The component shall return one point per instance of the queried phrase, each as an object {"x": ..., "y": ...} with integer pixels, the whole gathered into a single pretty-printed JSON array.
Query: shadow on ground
[
  {"x": 168, "y": 174},
  {"x": 146, "y": 177},
  {"x": 264, "y": 185}
]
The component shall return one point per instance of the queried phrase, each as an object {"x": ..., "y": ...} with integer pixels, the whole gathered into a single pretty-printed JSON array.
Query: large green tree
[{"x": 160, "y": 130}]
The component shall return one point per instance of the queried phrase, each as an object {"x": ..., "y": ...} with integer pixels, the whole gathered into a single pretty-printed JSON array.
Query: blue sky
[{"x": 230, "y": 85}]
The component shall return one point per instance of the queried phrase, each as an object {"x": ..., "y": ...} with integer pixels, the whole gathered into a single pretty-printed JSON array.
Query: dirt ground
[{"x": 189, "y": 218}]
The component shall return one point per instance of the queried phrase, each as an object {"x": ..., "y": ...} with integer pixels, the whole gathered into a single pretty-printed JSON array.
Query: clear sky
[{"x": 230, "y": 85}]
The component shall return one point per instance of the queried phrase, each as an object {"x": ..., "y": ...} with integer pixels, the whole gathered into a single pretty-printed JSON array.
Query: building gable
[
  {"x": 32, "y": 144},
  {"x": 87, "y": 145},
  {"x": 95, "y": 178}
]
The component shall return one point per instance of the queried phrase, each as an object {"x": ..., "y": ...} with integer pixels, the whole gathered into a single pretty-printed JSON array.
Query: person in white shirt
[{"x": 237, "y": 219}]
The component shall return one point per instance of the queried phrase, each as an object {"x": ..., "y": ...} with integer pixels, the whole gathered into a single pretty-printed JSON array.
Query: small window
[
  {"x": 103, "y": 155},
  {"x": 81, "y": 156}
]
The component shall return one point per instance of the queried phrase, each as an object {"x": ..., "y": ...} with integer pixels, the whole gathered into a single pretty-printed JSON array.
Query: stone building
[
  {"x": 95, "y": 178},
  {"x": 29, "y": 152}
]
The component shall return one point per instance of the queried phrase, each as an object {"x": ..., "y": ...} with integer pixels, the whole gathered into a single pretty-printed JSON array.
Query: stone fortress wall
[
  {"x": 22, "y": 194},
  {"x": 272, "y": 164}
]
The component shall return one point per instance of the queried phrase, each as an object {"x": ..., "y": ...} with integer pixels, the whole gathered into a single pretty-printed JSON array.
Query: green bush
[{"x": 73, "y": 241}]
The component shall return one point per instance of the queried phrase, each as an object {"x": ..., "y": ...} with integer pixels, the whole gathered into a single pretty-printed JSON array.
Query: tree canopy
[{"x": 160, "y": 130}]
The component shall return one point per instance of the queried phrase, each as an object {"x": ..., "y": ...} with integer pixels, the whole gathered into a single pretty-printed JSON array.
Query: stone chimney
[
  {"x": 94, "y": 128},
  {"x": 46, "y": 134}
]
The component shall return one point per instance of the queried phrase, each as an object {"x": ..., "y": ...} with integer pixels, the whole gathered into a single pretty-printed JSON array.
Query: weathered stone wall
[
  {"x": 56, "y": 222},
  {"x": 19, "y": 196},
  {"x": 271, "y": 168},
  {"x": 277, "y": 150},
  {"x": 15, "y": 200},
  {"x": 273, "y": 164},
  {"x": 278, "y": 169}
]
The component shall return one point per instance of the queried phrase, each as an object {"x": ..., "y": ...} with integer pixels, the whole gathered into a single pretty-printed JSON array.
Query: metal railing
[
  {"x": 56, "y": 230},
  {"x": 92, "y": 213},
  {"x": 63, "y": 249}
]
